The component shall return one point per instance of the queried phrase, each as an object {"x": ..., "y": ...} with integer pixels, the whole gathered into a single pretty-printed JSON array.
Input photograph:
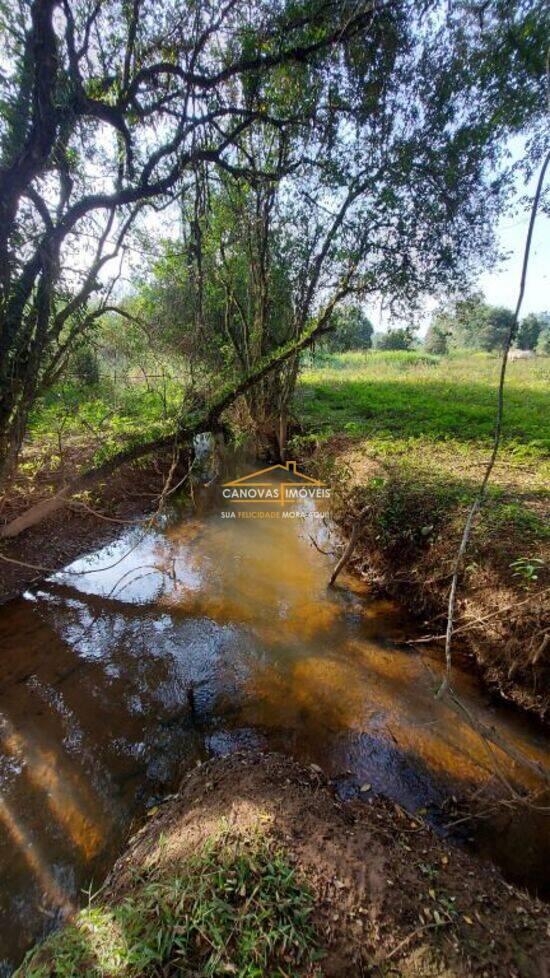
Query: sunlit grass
[
  {"x": 426, "y": 424},
  {"x": 236, "y": 908},
  {"x": 395, "y": 397}
]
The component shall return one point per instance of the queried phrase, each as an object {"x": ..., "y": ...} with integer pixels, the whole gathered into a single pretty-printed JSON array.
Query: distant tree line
[
  {"x": 470, "y": 323},
  {"x": 474, "y": 324}
]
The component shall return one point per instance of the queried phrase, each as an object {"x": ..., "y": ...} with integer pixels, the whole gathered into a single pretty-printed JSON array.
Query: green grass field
[
  {"x": 411, "y": 395},
  {"x": 418, "y": 432}
]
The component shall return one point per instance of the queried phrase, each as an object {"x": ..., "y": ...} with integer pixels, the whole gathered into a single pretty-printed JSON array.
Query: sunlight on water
[{"x": 206, "y": 634}]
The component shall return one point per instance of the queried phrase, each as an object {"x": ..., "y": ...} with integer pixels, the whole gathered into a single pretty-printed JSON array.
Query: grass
[
  {"x": 433, "y": 418},
  {"x": 233, "y": 909},
  {"x": 404, "y": 395},
  {"x": 418, "y": 431},
  {"x": 402, "y": 401}
]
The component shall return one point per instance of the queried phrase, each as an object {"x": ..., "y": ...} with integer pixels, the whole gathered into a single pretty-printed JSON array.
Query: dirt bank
[
  {"x": 89, "y": 521},
  {"x": 411, "y": 526},
  {"x": 381, "y": 893}
]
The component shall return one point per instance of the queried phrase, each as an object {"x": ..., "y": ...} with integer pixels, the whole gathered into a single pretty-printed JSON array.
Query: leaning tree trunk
[{"x": 204, "y": 419}]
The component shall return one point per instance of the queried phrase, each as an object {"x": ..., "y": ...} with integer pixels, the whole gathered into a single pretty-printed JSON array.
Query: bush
[
  {"x": 396, "y": 339},
  {"x": 85, "y": 366},
  {"x": 543, "y": 345}
]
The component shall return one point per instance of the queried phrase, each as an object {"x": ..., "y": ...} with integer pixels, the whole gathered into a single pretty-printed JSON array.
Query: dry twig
[
  {"x": 476, "y": 505},
  {"x": 350, "y": 546}
]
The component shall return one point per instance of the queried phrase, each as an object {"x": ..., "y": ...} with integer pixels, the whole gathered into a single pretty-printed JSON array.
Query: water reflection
[{"x": 97, "y": 718}]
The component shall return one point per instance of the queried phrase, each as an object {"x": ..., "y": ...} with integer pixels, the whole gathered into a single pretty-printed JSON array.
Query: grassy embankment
[
  {"x": 256, "y": 870},
  {"x": 409, "y": 435}
]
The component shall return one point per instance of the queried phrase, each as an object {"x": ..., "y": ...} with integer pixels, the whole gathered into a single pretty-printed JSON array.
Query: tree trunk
[{"x": 202, "y": 420}]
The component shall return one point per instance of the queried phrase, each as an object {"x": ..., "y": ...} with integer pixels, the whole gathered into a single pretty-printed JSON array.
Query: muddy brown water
[{"x": 98, "y": 721}]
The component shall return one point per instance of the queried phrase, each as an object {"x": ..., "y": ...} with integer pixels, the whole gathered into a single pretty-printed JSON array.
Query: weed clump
[{"x": 233, "y": 909}]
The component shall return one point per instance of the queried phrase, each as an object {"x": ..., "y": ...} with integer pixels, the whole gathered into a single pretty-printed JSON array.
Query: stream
[{"x": 208, "y": 634}]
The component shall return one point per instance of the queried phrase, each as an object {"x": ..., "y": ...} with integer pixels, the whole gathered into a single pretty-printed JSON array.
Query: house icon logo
[{"x": 282, "y": 484}]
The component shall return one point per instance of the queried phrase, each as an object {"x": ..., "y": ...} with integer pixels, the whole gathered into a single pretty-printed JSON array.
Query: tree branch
[{"x": 478, "y": 502}]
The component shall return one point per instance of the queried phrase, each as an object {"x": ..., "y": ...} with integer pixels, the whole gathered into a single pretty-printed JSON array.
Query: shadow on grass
[{"x": 424, "y": 406}]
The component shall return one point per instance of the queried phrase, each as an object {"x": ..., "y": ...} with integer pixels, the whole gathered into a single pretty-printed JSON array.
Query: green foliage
[
  {"x": 506, "y": 516},
  {"x": 437, "y": 339},
  {"x": 408, "y": 510},
  {"x": 236, "y": 909},
  {"x": 497, "y": 324},
  {"x": 543, "y": 344},
  {"x": 401, "y": 117},
  {"x": 530, "y": 329},
  {"x": 105, "y": 417},
  {"x": 473, "y": 324},
  {"x": 527, "y": 569},
  {"x": 84, "y": 366},
  {"x": 425, "y": 426},
  {"x": 401, "y": 338},
  {"x": 352, "y": 331}
]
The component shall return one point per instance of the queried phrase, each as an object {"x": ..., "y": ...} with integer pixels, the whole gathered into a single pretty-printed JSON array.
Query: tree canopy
[
  {"x": 316, "y": 151},
  {"x": 475, "y": 324},
  {"x": 531, "y": 329}
]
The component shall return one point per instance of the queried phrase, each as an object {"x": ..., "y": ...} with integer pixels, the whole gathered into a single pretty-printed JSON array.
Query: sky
[{"x": 500, "y": 285}]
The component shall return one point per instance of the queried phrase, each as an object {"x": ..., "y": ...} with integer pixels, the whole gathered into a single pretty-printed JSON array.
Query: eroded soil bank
[
  {"x": 411, "y": 525},
  {"x": 90, "y": 520},
  {"x": 388, "y": 896}
]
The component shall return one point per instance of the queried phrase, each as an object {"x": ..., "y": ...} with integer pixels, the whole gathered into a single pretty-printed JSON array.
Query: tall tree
[
  {"x": 351, "y": 330},
  {"x": 390, "y": 190},
  {"x": 106, "y": 105},
  {"x": 109, "y": 108},
  {"x": 473, "y": 323},
  {"x": 530, "y": 329},
  {"x": 437, "y": 339}
]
